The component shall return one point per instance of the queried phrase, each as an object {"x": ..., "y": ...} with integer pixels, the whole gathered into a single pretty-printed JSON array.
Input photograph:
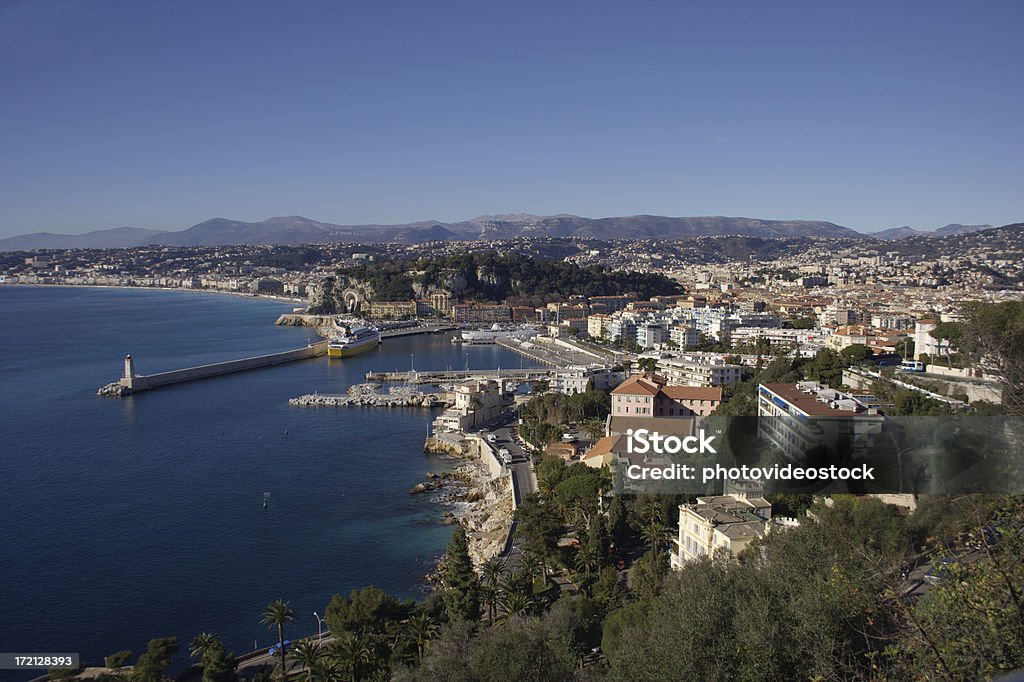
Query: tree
[
  {"x": 490, "y": 575},
  {"x": 353, "y": 651},
  {"x": 538, "y": 526},
  {"x": 151, "y": 665},
  {"x": 278, "y": 614},
  {"x": 421, "y": 628},
  {"x": 654, "y": 534},
  {"x": 826, "y": 367},
  {"x": 647, "y": 575},
  {"x": 117, "y": 661},
  {"x": 856, "y": 353},
  {"x": 201, "y": 643},
  {"x": 993, "y": 337},
  {"x": 461, "y": 596},
  {"x": 366, "y": 611},
  {"x": 218, "y": 663},
  {"x": 647, "y": 364},
  {"x": 308, "y": 653}
]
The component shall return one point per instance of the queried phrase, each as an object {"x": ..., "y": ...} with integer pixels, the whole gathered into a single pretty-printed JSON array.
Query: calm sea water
[{"x": 124, "y": 520}]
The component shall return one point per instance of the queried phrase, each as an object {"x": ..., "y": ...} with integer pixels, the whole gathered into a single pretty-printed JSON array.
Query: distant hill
[
  {"x": 907, "y": 231},
  {"x": 957, "y": 228},
  {"x": 300, "y": 230},
  {"x": 116, "y": 238}
]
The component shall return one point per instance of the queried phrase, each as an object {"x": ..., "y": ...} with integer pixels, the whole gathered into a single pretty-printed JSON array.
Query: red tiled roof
[
  {"x": 638, "y": 385},
  {"x": 693, "y": 392}
]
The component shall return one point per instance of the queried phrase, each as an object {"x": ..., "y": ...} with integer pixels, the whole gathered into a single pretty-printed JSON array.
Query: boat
[
  {"x": 355, "y": 337},
  {"x": 498, "y": 331}
]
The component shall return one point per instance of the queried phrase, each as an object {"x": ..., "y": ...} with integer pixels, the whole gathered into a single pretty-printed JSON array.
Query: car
[
  {"x": 941, "y": 570},
  {"x": 491, "y": 438},
  {"x": 568, "y": 437},
  {"x": 276, "y": 649}
]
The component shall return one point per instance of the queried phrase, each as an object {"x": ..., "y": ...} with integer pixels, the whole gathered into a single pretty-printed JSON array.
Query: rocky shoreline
[
  {"x": 323, "y": 324},
  {"x": 482, "y": 505}
]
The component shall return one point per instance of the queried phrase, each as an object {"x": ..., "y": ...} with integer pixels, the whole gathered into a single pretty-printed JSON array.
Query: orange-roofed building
[{"x": 648, "y": 395}]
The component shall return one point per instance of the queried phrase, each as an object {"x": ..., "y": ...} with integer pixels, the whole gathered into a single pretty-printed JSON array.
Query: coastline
[
  {"x": 218, "y": 292},
  {"x": 480, "y": 503}
]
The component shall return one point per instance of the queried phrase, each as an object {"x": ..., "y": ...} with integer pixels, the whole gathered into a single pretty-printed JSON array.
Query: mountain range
[
  {"x": 299, "y": 230},
  {"x": 944, "y": 231}
]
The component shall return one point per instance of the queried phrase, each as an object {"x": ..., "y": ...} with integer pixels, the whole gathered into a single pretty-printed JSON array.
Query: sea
[{"x": 126, "y": 519}]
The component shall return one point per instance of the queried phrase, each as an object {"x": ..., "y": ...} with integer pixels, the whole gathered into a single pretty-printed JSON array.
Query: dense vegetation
[{"x": 510, "y": 278}]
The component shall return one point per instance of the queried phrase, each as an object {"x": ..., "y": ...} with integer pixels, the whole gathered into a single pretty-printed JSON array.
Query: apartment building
[
  {"x": 698, "y": 370},
  {"x": 799, "y": 417}
]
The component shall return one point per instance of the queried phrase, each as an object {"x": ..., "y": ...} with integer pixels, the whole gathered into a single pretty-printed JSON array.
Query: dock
[
  {"x": 454, "y": 376},
  {"x": 130, "y": 382}
]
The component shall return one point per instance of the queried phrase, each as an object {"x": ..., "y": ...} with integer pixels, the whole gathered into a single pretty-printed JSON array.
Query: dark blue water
[{"x": 124, "y": 520}]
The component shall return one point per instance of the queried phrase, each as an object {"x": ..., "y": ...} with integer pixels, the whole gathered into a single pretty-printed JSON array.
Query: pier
[
  {"x": 130, "y": 382},
  {"x": 453, "y": 376}
]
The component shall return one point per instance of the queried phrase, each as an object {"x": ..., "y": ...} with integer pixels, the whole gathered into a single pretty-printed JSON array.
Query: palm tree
[
  {"x": 490, "y": 575},
  {"x": 587, "y": 560},
  {"x": 490, "y": 572},
  {"x": 309, "y": 654},
  {"x": 201, "y": 643},
  {"x": 654, "y": 534},
  {"x": 277, "y": 613},
  {"x": 534, "y": 565},
  {"x": 352, "y": 651},
  {"x": 515, "y": 604},
  {"x": 421, "y": 629}
]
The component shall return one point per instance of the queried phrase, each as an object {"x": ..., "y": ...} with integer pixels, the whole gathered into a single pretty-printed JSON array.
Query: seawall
[{"x": 133, "y": 383}]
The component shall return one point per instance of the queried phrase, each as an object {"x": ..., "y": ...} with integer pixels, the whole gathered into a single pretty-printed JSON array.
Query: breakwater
[
  {"x": 366, "y": 395},
  {"x": 130, "y": 382}
]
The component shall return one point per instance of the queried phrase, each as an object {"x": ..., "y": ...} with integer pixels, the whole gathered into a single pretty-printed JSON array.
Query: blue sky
[{"x": 163, "y": 114}]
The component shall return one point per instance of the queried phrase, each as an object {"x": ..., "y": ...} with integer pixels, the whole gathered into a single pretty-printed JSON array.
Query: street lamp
[{"x": 319, "y": 623}]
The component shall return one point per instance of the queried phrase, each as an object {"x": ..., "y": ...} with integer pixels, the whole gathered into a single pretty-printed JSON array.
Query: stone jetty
[{"x": 368, "y": 395}]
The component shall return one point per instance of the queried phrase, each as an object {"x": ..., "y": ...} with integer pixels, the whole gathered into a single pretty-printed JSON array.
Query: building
[
  {"x": 598, "y": 326},
  {"x": 925, "y": 343},
  {"x": 649, "y": 395},
  {"x": 650, "y": 335},
  {"x": 441, "y": 301},
  {"x": 684, "y": 336},
  {"x": 719, "y": 525},
  {"x": 698, "y": 370},
  {"x": 572, "y": 380},
  {"x": 799, "y": 417},
  {"x": 390, "y": 309},
  {"x": 476, "y": 404},
  {"x": 468, "y": 313}
]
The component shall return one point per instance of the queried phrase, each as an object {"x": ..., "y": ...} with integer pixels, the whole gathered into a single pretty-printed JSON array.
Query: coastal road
[{"x": 524, "y": 482}]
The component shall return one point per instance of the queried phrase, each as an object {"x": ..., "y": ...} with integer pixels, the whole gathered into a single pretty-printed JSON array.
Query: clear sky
[{"x": 162, "y": 114}]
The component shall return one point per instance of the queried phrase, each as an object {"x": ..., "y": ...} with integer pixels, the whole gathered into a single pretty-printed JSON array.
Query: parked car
[
  {"x": 942, "y": 569},
  {"x": 276, "y": 649},
  {"x": 491, "y": 438}
]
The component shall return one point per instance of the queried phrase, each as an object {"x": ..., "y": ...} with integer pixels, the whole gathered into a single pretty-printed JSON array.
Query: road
[{"x": 524, "y": 480}]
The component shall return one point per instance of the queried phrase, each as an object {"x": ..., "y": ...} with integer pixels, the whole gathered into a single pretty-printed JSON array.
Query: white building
[
  {"x": 925, "y": 343},
  {"x": 476, "y": 403},
  {"x": 698, "y": 370},
  {"x": 721, "y": 524}
]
